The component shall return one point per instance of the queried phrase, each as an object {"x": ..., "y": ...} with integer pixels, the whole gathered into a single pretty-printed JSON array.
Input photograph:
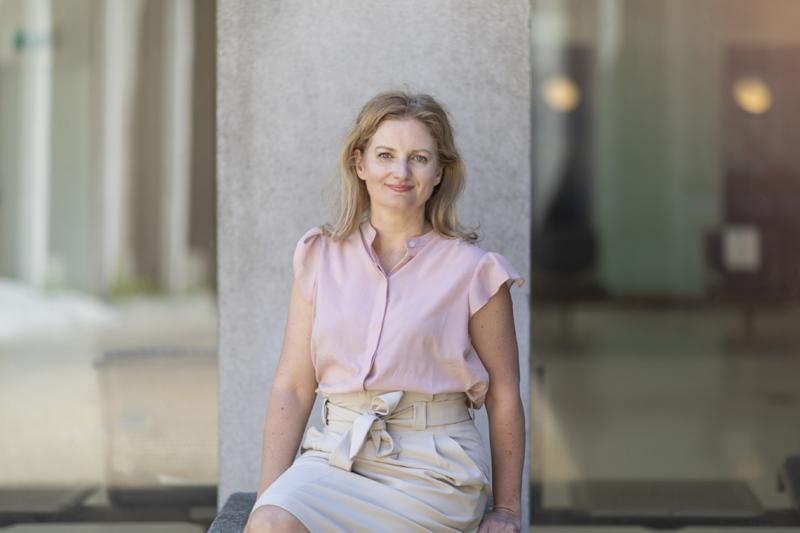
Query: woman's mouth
[{"x": 400, "y": 188}]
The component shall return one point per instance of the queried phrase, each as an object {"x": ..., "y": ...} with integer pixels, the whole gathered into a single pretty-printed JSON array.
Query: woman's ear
[{"x": 357, "y": 157}]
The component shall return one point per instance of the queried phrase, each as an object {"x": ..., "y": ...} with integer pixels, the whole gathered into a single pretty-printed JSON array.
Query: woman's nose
[{"x": 402, "y": 167}]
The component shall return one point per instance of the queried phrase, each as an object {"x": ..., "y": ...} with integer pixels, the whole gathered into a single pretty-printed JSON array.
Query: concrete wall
[{"x": 291, "y": 78}]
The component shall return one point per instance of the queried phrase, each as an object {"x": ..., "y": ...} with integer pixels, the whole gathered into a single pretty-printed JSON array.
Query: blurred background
[
  {"x": 665, "y": 282},
  {"x": 666, "y": 263},
  {"x": 108, "y": 367}
]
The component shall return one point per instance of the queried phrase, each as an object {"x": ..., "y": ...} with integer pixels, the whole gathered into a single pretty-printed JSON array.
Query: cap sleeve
[
  {"x": 305, "y": 262},
  {"x": 491, "y": 272}
]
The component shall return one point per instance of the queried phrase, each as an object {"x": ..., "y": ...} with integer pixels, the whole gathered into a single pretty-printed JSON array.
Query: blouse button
[{"x": 411, "y": 244}]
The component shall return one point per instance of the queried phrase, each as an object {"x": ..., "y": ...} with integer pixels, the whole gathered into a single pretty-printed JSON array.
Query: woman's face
[{"x": 400, "y": 165}]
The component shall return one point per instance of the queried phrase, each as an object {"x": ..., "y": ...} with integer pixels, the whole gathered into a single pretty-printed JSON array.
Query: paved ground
[
  {"x": 666, "y": 394},
  {"x": 75, "y": 414}
]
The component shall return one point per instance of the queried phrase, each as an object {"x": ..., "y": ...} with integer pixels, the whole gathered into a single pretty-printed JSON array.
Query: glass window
[
  {"x": 108, "y": 364},
  {"x": 666, "y": 186}
]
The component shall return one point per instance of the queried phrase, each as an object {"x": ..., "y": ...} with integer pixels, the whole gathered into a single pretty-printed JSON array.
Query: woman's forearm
[
  {"x": 287, "y": 414},
  {"x": 507, "y": 435}
]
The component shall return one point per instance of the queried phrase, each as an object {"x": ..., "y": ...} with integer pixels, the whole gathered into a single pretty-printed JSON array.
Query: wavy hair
[{"x": 354, "y": 201}]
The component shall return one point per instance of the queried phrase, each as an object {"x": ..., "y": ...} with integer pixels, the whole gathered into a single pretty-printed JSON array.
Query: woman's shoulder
[
  {"x": 325, "y": 232},
  {"x": 309, "y": 246},
  {"x": 313, "y": 233},
  {"x": 322, "y": 236},
  {"x": 483, "y": 262},
  {"x": 468, "y": 251}
]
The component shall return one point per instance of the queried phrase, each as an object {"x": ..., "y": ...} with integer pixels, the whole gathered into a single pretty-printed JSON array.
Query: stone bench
[{"x": 233, "y": 516}]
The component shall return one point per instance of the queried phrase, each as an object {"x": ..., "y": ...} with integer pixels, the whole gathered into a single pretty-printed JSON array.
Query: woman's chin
[{"x": 395, "y": 206}]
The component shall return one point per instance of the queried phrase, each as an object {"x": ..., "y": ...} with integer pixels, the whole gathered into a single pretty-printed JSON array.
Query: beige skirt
[{"x": 388, "y": 461}]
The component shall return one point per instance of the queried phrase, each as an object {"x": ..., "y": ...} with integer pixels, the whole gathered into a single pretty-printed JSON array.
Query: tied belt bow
[{"x": 371, "y": 422}]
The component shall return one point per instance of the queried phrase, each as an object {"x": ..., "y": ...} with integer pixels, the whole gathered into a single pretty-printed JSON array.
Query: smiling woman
[
  {"x": 395, "y": 159},
  {"x": 400, "y": 169},
  {"x": 401, "y": 322}
]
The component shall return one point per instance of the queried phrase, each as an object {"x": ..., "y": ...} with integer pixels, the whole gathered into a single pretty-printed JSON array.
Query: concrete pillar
[
  {"x": 177, "y": 124},
  {"x": 34, "y": 42},
  {"x": 291, "y": 79},
  {"x": 118, "y": 30},
  {"x": 10, "y": 87}
]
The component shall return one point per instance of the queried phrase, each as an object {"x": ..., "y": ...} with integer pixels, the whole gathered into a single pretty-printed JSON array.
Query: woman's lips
[{"x": 400, "y": 189}]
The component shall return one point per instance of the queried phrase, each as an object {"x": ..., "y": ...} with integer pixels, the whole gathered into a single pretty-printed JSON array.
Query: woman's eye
[
  {"x": 422, "y": 159},
  {"x": 380, "y": 155}
]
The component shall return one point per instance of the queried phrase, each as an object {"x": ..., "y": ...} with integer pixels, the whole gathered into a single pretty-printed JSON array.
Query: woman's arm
[
  {"x": 495, "y": 339},
  {"x": 293, "y": 393}
]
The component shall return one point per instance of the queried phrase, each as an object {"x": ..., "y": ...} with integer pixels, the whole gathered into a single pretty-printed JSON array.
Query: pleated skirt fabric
[{"x": 405, "y": 477}]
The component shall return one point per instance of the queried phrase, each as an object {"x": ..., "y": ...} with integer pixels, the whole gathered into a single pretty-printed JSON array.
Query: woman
[{"x": 404, "y": 326}]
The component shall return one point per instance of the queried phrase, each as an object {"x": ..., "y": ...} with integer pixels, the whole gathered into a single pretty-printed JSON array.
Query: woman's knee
[{"x": 271, "y": 518}]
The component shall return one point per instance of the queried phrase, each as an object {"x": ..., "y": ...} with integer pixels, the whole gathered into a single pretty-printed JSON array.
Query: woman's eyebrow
[{"x": 392, "y": 149}]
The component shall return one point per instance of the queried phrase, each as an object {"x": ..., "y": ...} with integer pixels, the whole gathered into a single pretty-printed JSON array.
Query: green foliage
[{"x": 128, "y": 286}]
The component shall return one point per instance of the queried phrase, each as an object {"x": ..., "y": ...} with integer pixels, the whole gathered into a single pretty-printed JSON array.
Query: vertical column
[
  {"x": 119, "y": 22},
  {"x": 288, "y": 86},
  {"x": 178, "y": 56},
  {"x": 657, "y": 143},
  {"x": 34, "y": 44}
]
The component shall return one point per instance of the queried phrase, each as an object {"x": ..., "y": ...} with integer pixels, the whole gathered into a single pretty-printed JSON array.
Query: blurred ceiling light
[
  {"x": 561, "y": 93},
  {"x": 752, "y": 95}
]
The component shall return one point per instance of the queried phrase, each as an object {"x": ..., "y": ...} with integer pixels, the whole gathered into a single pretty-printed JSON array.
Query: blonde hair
[{"x": 354, "y": 201}]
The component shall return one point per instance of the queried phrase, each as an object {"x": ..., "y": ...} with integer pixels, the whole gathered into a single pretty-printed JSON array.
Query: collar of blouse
[{"x": 413, "y": 244}]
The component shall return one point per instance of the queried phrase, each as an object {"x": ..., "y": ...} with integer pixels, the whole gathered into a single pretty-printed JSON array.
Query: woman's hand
[{"x": 500, "y": 521}]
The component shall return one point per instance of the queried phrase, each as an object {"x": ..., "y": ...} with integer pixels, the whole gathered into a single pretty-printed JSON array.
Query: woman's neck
[{"x": 391, "y": 237}]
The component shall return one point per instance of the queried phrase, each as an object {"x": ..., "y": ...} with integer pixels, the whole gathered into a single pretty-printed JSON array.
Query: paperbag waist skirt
[{"x": 388, "y": 461}]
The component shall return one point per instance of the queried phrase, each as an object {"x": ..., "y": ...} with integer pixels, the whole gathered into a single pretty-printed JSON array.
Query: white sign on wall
[{"x": 741, "y": 248}]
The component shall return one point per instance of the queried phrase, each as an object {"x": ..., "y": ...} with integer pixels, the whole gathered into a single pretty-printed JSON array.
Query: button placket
[
  {"x": 368, "y": 234},
  {"x": 376, "y": 329}
]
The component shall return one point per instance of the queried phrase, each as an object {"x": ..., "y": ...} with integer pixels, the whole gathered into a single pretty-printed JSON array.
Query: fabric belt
[{"x": 418, "y": 412}]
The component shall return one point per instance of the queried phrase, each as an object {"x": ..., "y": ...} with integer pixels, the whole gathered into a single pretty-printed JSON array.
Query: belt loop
[
  {"x": 420, "y": 415},
  {"x": 325, "y": 411}
]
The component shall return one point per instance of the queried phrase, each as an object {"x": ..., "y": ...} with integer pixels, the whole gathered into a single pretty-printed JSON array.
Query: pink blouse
[{"x": 402, "y": 330}]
